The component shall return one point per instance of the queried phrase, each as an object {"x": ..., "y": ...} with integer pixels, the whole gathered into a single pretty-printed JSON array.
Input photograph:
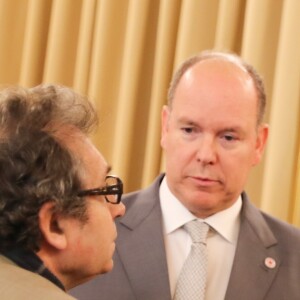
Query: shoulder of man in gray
[
  {"x": 213, "y": 134},
  {"x": 140, "y": 267}
]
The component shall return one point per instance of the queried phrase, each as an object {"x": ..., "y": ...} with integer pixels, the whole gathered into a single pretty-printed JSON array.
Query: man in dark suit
[{"x": 212, "y": 134}]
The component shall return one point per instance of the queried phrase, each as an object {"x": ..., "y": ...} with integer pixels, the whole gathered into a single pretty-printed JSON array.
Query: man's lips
[{"x": 205, "y": 181}]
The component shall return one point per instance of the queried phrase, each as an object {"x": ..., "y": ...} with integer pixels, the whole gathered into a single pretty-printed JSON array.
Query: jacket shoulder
[
  {"x": 18, "y": 283},
  {"x": 283, "y": 231}
]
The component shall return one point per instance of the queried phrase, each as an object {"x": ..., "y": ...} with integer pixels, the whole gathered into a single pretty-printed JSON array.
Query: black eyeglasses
[{"x": 112, "y": 191}]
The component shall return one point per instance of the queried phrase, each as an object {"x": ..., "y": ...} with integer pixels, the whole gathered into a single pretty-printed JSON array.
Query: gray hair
[{"x": 36, "y": 166}]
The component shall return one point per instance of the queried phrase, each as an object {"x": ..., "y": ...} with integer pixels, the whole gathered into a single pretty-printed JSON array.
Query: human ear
[
  {"x": 165, "y": 114},
  {"x": 262, "y": 136},
  {"x": 50, "y": 226}
]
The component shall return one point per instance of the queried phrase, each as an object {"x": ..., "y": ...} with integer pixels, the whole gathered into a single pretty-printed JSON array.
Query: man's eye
[
  {"x": 229, "y": 137},
  {"x": 187, "y": 129}
]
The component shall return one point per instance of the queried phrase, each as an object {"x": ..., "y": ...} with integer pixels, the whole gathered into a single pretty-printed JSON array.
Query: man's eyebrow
[
  {"x": 233, "y": 129},
  {"x": 237, "y": 130},
  {"x": 230, "y": 129},
  {"x": 187, "y": 121}
]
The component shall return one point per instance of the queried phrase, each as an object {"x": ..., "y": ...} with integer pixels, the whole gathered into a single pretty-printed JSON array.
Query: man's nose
[
  {"x": 117, "y": 210},
  {"x": 207, "y": 150}
]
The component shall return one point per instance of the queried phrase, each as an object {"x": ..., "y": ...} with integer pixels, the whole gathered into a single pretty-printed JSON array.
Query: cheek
[
  {"x": 176, "y": 156},
  {"x": 99, "y": 225},
  {"x": 176, "y": 148},
  {"x": 104, "y": 224},
  {"x": 236, "y": 165},
  {"x": 180, "y": 157}
]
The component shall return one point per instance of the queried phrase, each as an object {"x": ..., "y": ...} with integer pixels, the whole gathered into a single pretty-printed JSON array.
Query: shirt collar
[{"x": 175, "y": 215}]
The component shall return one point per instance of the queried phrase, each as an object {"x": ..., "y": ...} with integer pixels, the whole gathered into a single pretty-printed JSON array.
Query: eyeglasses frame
[{"x": 116, "y": 189}]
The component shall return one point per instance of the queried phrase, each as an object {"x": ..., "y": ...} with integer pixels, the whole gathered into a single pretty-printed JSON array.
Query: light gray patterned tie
[{"x": 192, "y": 279}]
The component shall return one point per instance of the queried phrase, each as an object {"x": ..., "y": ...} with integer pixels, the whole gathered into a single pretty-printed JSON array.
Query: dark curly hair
[{"x": 36, "y": 166}]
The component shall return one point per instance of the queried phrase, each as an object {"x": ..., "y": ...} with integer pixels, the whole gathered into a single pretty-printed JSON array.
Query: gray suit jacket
[
  {"x": 19, "y": 284},
  {"x": 141, "y": 273}
]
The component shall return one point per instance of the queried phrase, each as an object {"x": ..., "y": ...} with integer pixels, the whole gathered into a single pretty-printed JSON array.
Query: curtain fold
[
  {"x": 122, "y": 54},
  {"x": 281, "y": 159},
  {"x": 197, "y": 28},
  {"x": 163, "y": 61},
  {"x": 296, "y": 203},
  {"x": 35, "y": 42},
  {"x": 260, "y": 34},
  {"x": 12, "y": 32},
  {"x": 105, "y": 69},
  {"x": 62, "y": 42},
  {"x": 229, "y": 25},
  {"x": 132, "y": 70},
  {"x": 84, "y": 47}
]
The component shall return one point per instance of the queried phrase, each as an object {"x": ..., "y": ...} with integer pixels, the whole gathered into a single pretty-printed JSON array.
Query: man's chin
[
  {"x": 108, "y": 267},
  {"x": 202, "y": 208}
]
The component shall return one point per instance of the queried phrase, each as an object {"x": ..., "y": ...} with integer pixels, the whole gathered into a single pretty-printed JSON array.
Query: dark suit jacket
[{"x": 141, "y": 272}]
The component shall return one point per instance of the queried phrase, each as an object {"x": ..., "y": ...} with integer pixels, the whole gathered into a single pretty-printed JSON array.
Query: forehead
[
  {"x": 218, "y": 71},
  {"x": 217, "y": 77},
  {"x": 216, "y": 88}
]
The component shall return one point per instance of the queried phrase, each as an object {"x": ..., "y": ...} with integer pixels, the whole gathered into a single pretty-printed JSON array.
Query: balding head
[{"x": 224, "y": 61}]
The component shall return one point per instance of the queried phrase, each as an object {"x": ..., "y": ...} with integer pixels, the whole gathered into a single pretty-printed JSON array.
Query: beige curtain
[{"x": 122, "y": 54}]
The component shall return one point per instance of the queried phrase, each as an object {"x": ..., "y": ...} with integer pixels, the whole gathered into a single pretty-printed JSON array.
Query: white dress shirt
[{"x": 221, "y": 241}]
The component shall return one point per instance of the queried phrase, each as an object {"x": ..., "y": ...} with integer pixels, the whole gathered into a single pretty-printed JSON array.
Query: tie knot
[{"x": 197, "y": 230}]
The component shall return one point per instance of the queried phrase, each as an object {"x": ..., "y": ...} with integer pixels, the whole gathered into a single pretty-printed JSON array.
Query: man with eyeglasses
[
  {"x": 57, "y": 201},
  {"x": 194, "y": 234}
]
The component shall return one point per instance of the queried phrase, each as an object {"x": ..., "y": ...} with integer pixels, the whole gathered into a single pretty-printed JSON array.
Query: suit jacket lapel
[
  {"x": 145, "y": 262},
  {"x": 257, "y": 258},
  {"x": 142, "y": 249}
]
